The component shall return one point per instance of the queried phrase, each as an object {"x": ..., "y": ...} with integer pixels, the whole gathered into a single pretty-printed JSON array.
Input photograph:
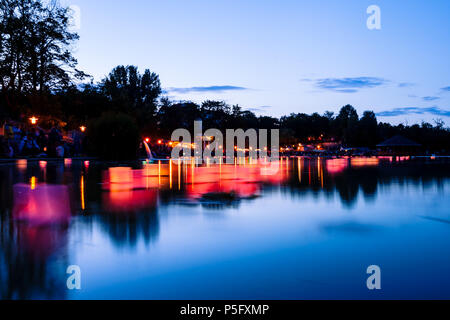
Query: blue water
[{"x": 311, "y": 235}]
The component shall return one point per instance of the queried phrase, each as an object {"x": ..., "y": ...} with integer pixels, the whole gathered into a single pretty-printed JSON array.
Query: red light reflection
[
  {"x": 365, "y": 162},
  {"x": 130, "y": 200},
  {"x": 43, "y": 205},
  {"x": 129, "y": 190},
  {"x": 336, "y": 165}
]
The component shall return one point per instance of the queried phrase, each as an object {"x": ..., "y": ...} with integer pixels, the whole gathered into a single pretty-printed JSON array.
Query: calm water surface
[{"x": 157, "y": 231}]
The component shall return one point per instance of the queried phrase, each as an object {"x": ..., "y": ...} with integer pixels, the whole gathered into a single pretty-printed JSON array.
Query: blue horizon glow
[{"x": 279, "y": 57}]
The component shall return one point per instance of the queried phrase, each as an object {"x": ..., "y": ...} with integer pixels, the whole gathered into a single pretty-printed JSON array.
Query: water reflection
[
  {"x": 32, "y": 234},
  {"x": 47, "y": 209},
  {"x": 41, "y": 204}
]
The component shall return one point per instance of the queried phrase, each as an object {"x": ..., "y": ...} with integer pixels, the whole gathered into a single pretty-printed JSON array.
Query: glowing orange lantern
[{"x": 34, "y": 120}]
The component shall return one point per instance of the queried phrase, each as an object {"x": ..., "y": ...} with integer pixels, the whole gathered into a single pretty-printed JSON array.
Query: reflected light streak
[
  {"x": 179, "y": 174},
  {"x": 33, "y": 183},
  {"x": 170, "y": 173},
  {"x": 299, "y": 166},
  {"x": 320, "y": 171},
  {"x": 159, "y": 173},
  {"x": 83, "y": 206}
]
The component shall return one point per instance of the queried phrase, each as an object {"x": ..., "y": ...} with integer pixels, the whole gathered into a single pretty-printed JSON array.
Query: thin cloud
[
  {"x": 430, "y": 98},
  {"x": 349, "y": 85},
  {"x": 446, "y": 89},
  {"x": 217, "y": 89},
  {"x": 414, "y": 110},
  {"x": 254, "y": 109},
  {"x": 259, "y": 108},
  {"x": 405, "y": 84}
]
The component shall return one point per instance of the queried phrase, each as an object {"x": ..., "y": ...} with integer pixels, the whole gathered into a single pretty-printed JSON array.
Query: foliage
[
  {"x": 113, "y": 136},
  {"x": 35, "y": 47},
  {"x": 35, "y": 56},
  {"x": 133, "y": 93}
]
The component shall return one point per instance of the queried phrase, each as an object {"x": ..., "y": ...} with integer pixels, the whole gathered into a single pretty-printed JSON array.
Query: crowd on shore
[{"x": 21, "y": 140}]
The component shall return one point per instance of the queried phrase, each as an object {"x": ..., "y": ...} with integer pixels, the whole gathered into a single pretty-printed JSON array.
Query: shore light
[{"x": 34, "y": 120}]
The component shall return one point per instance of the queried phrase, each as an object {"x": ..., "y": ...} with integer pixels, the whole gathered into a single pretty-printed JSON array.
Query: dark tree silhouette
[
  {"x": 35, "y": 47},
  {"x": 367, "y": 130},
  {"x": 134, "y": 93},
  {"x": 172, "y": 116},
  {"x": 347, "y": 122},
  {"x": 35, "y": 55}
]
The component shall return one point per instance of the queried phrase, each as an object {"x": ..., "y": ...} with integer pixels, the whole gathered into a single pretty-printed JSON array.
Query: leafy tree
[
  {"x": 236, "y": 111},
  {"x": 367, "y": 130},
  {"x": 347, "y": 122},
  {"x": 215, "y": 114},
  {"x": 35, "y": 47},
  {"x": 172, "y": 116},
  {"x": 329, "y": 115},
  {"x": 266, "y": 122},
  {"x": 35, "y": 56},
  {"x": 79, "y": 106},
  {"x": 133, "y": 93}
]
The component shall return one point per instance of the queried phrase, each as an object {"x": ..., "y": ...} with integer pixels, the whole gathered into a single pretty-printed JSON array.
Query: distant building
[
  {"x": 331, "y": 146},
  {"x": 399, "y": 145}
]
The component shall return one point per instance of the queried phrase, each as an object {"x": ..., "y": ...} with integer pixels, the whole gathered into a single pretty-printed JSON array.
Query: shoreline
[{"x": 14, "y": 160}]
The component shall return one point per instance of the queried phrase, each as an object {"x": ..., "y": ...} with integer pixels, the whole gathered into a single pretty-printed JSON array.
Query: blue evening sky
[{"x": 277, "y": 57}]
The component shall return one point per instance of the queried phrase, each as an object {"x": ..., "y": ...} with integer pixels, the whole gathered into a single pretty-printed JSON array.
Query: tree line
[{"x": 39, "y": 76}]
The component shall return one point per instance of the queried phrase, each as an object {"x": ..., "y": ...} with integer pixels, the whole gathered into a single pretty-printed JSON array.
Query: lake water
[{"x": 160, "y": 231}]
